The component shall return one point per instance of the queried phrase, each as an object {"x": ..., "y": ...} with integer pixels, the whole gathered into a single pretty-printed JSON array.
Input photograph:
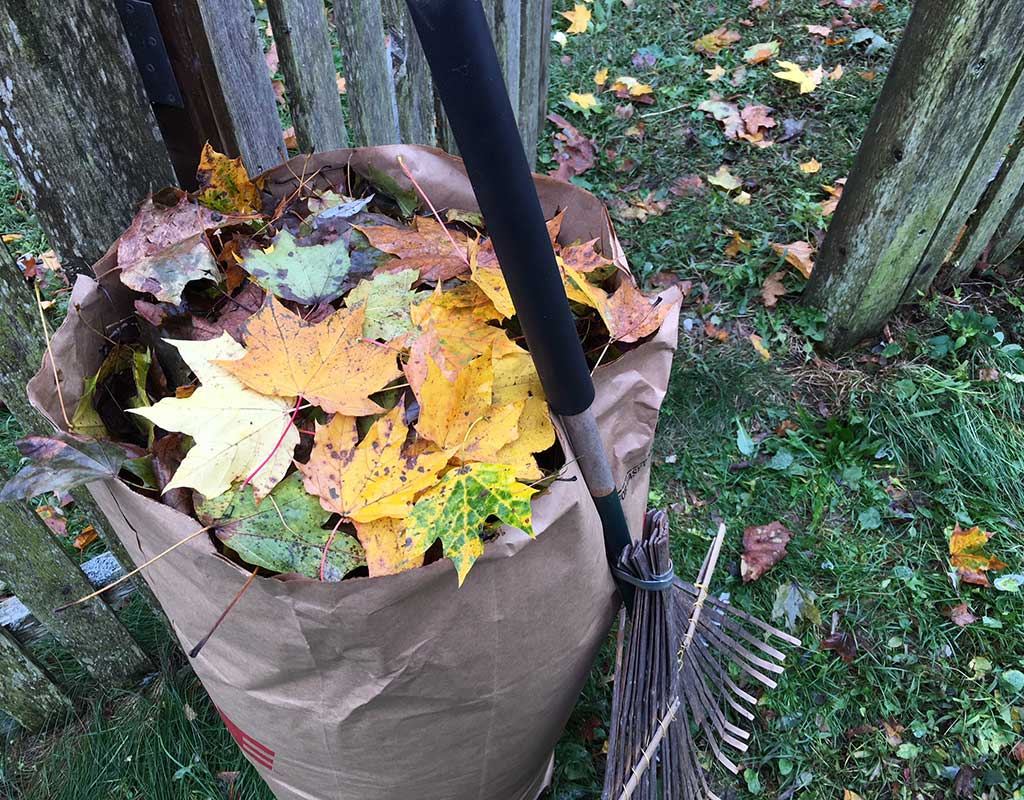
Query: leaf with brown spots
[
  {"x": 225, "y": 184},
  {"x": 628, "y": 314},
  {"x": 388, "y": 548},
  {"x": 372, "y": 479},
  {"x": 764, "y": 546},
  {"x": 426, "y": 248},
  {"x": 330, "y": 364},
  {"x": 61, "y": 462},
  {"x": 968, "y": 558},
  {"x": 306, "y": 274}
]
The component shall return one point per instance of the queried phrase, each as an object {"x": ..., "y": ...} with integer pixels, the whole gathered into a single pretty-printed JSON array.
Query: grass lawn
[{"x": 869, "y": 460}]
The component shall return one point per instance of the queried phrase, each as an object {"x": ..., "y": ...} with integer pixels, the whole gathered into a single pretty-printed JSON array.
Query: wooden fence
[
  {"x": 938, "y": 181},
  {"x": 109, "y": 100}
]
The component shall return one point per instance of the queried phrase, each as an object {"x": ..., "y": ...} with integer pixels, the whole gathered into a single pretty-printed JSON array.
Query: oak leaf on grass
[
  {"x": 235, "y": 428},
  {"x": 283, "y": 533},
  {"x": 456, "y": 509},
  {"x": 370, "y": 479},
  {"x": 330, "y": 364}
]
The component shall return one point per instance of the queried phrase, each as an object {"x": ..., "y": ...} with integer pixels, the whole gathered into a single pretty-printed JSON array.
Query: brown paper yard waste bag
[{"x": 402, "y": 686}]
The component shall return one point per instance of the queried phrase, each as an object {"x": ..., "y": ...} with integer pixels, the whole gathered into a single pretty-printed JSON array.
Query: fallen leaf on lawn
[
  {"x": 868, "y": 76},
  {"x": 629, "y": 88},
  {"x": 370, "y": 479},
  {"x": 758, "y": 344},
  {"x": 329, "y": 364},
  {"x": 85, "y": 538},
  {"x": 687, "y": 186},
  {"x": 758, "y": 5},
  {"x": 1017, "y": 751},
  {"x": 459, "y": 416},
  {"x": 772, "y": 289},
  {"x": 387, "y": 298},
  {"x": 574, "y": 152},
  {"x": 601, "y": 76},
  {"x": 843, "y": 644},
  {"x": 836, "y": 73},
  {"x": 283, "y": 533},
  {"x": 578, "y": 18},
  {"x": 793, "y": 602},
  {"x": 762, "y": 51},
  {"x": 828, "y": 207},
  {"x": 988, "y": 374},
  {"x": 737, "y": 244},
  {"x": 716, "y": 73},
  {"x": 893, "y": 733},
  {"x": 61, "y": 462},
  {"x": 742, "y": 199},
  {"x": 307, "y": 274},
  {"x": 712, "y": 331},
  {"x": 808, "y": 80},
  {"x": 968, "y": 558},
  {"x": 961, "y": 615},
  {"x": 235, "y": 429},
  {"x": 584, "y": 101},
  {"x": 711, "y": 44},
  {"x": 426, "y": 248},
  {"x": 725, "y": 112},
  {"x": 10, "y": 238},
  {"x": 456, "y": 509},
  {"x": 724, "y": 179},
  {"x": 849, "y": 794},
  {"x": 810, "y": 167},
  {"x": 53, "y": 518},
  {"x": 739, "y": 75},
  {"x": 225, "y": 185},
  {"x": 819, "y": 30},
  {"x": 799, "y": 254},
  {"x": 764, "y": 546}
]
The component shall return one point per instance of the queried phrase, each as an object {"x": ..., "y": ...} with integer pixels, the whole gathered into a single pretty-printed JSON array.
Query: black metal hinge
[{"x": 147, "y": 44}]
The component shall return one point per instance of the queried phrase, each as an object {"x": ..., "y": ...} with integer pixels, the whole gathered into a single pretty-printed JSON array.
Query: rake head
[{"x": 673, "y": 684}]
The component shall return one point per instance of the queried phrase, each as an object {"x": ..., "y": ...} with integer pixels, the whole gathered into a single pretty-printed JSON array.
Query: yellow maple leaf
[
  {"x": 807, "y": 79},
  {"x": 711, "y": 44},
  {"x": 330, "y": 364},
  {"x": 235, "y": 429},
  {"x": 716, "y": 73},
  {"x": 725, "y": 179},
  {"x": 758, "y": 343},
  {"x": 459, "y": 416},
  {"x": 388, "y": 549},
  {"x": 627, "y": 313},
  {"x": 372, "y": 479},
  {"x": 799, "y": 254},
  {"x": 736, "y": 245},
  {"x": 626, "y": 83},
  {"x": 583, "y": 100},
  {"x": 810, "y": 167},
  {"x": 579, "y": 19},
  {"x": 601, "y": 76},
  {"x": 967, "y": 556},
  {"x": 225, "y": 185}
]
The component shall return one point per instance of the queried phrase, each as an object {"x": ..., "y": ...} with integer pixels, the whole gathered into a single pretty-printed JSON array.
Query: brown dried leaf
[
  {"x": 764, "y": 546},
  {"x": 574, "y": 152},
  {"x": 772, "y": 289},
  {"x": 961, "y": 615}
]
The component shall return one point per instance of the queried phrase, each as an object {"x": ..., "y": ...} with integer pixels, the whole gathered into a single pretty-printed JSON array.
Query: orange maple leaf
[
  {"x": 966, "y": 555},
  {"x": 436, "y": 252},
  {"x": 330, "y": 364}
]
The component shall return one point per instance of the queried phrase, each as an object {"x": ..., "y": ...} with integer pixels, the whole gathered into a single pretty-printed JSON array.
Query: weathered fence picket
[
  {"x": 303, "y": 45},
  {"x": 947, "y": 114},
  {"x": 27, "y": 692}
]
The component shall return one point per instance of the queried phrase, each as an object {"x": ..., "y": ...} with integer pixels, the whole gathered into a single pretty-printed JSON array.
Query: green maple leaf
[
  {"x": 388, "y": 297},
  {"x": 308, "y": 274},
  {"x": 456, "y": 509},
  {"x": 284, "y": 533}
]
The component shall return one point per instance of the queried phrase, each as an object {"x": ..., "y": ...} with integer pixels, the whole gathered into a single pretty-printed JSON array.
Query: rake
[{"x": 674, "y": 678}]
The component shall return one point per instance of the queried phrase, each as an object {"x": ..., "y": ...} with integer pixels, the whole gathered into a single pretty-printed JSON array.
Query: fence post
[
  {"x": 21, "y": 352},
  {"x": 946, "y": 115},
  {"x": 43, "y": 577},
  {"x": 300, "y": 31},
  {"x": 75, "y": 124},
  {"x": 27, "y": 692},
  {"x": 533, "y": 73},
  {"x": 366, "y": 54},
  {"x": 414, "y": 88}
]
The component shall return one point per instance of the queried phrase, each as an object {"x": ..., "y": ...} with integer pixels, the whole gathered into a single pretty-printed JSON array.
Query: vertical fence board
[
  {"x": 42, "y": 576},
  {"x": 922, "y": 162},
  {"x": 75, "y": 124},
  {"x": 21, "y": 351},
  {"x": 230, "y": 27},
  {"x": 414, "y": 90},
  {"x": 300, "y": 30},
  {"x": 505, "y": 20},
  {"x": 533, "y": 73},
  {"x": 373, "y": 106},
  {"x": 1000, "y": 198},
  {"x": 27, "y": 692}
]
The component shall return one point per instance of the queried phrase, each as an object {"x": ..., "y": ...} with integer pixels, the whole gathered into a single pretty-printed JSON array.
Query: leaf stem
[
  {"x": 423, "y": 194},
  {"x": 327, "y": 547},
  {"x": 280, "y": 440}
]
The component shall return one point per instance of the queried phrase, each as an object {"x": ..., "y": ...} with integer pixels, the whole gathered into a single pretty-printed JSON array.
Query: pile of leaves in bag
[{"x": 333, "y": 385}]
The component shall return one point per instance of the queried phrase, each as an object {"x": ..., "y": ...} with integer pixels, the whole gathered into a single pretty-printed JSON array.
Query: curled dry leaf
[
  {"x": 835, "y": 193},
  {"x": 772, "y": 289},
  {"x": 85, "y": 538},
  {"x": 764, "y": 546},
  {"x": 799, "y": 254},
  {"x": 329, "y": 364},
  {"x": 426, "y": 248},
  {"x": 61, "y": 462},
  {"x": 843, "y": 644},
  {"x": 574, "y": 152}
]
